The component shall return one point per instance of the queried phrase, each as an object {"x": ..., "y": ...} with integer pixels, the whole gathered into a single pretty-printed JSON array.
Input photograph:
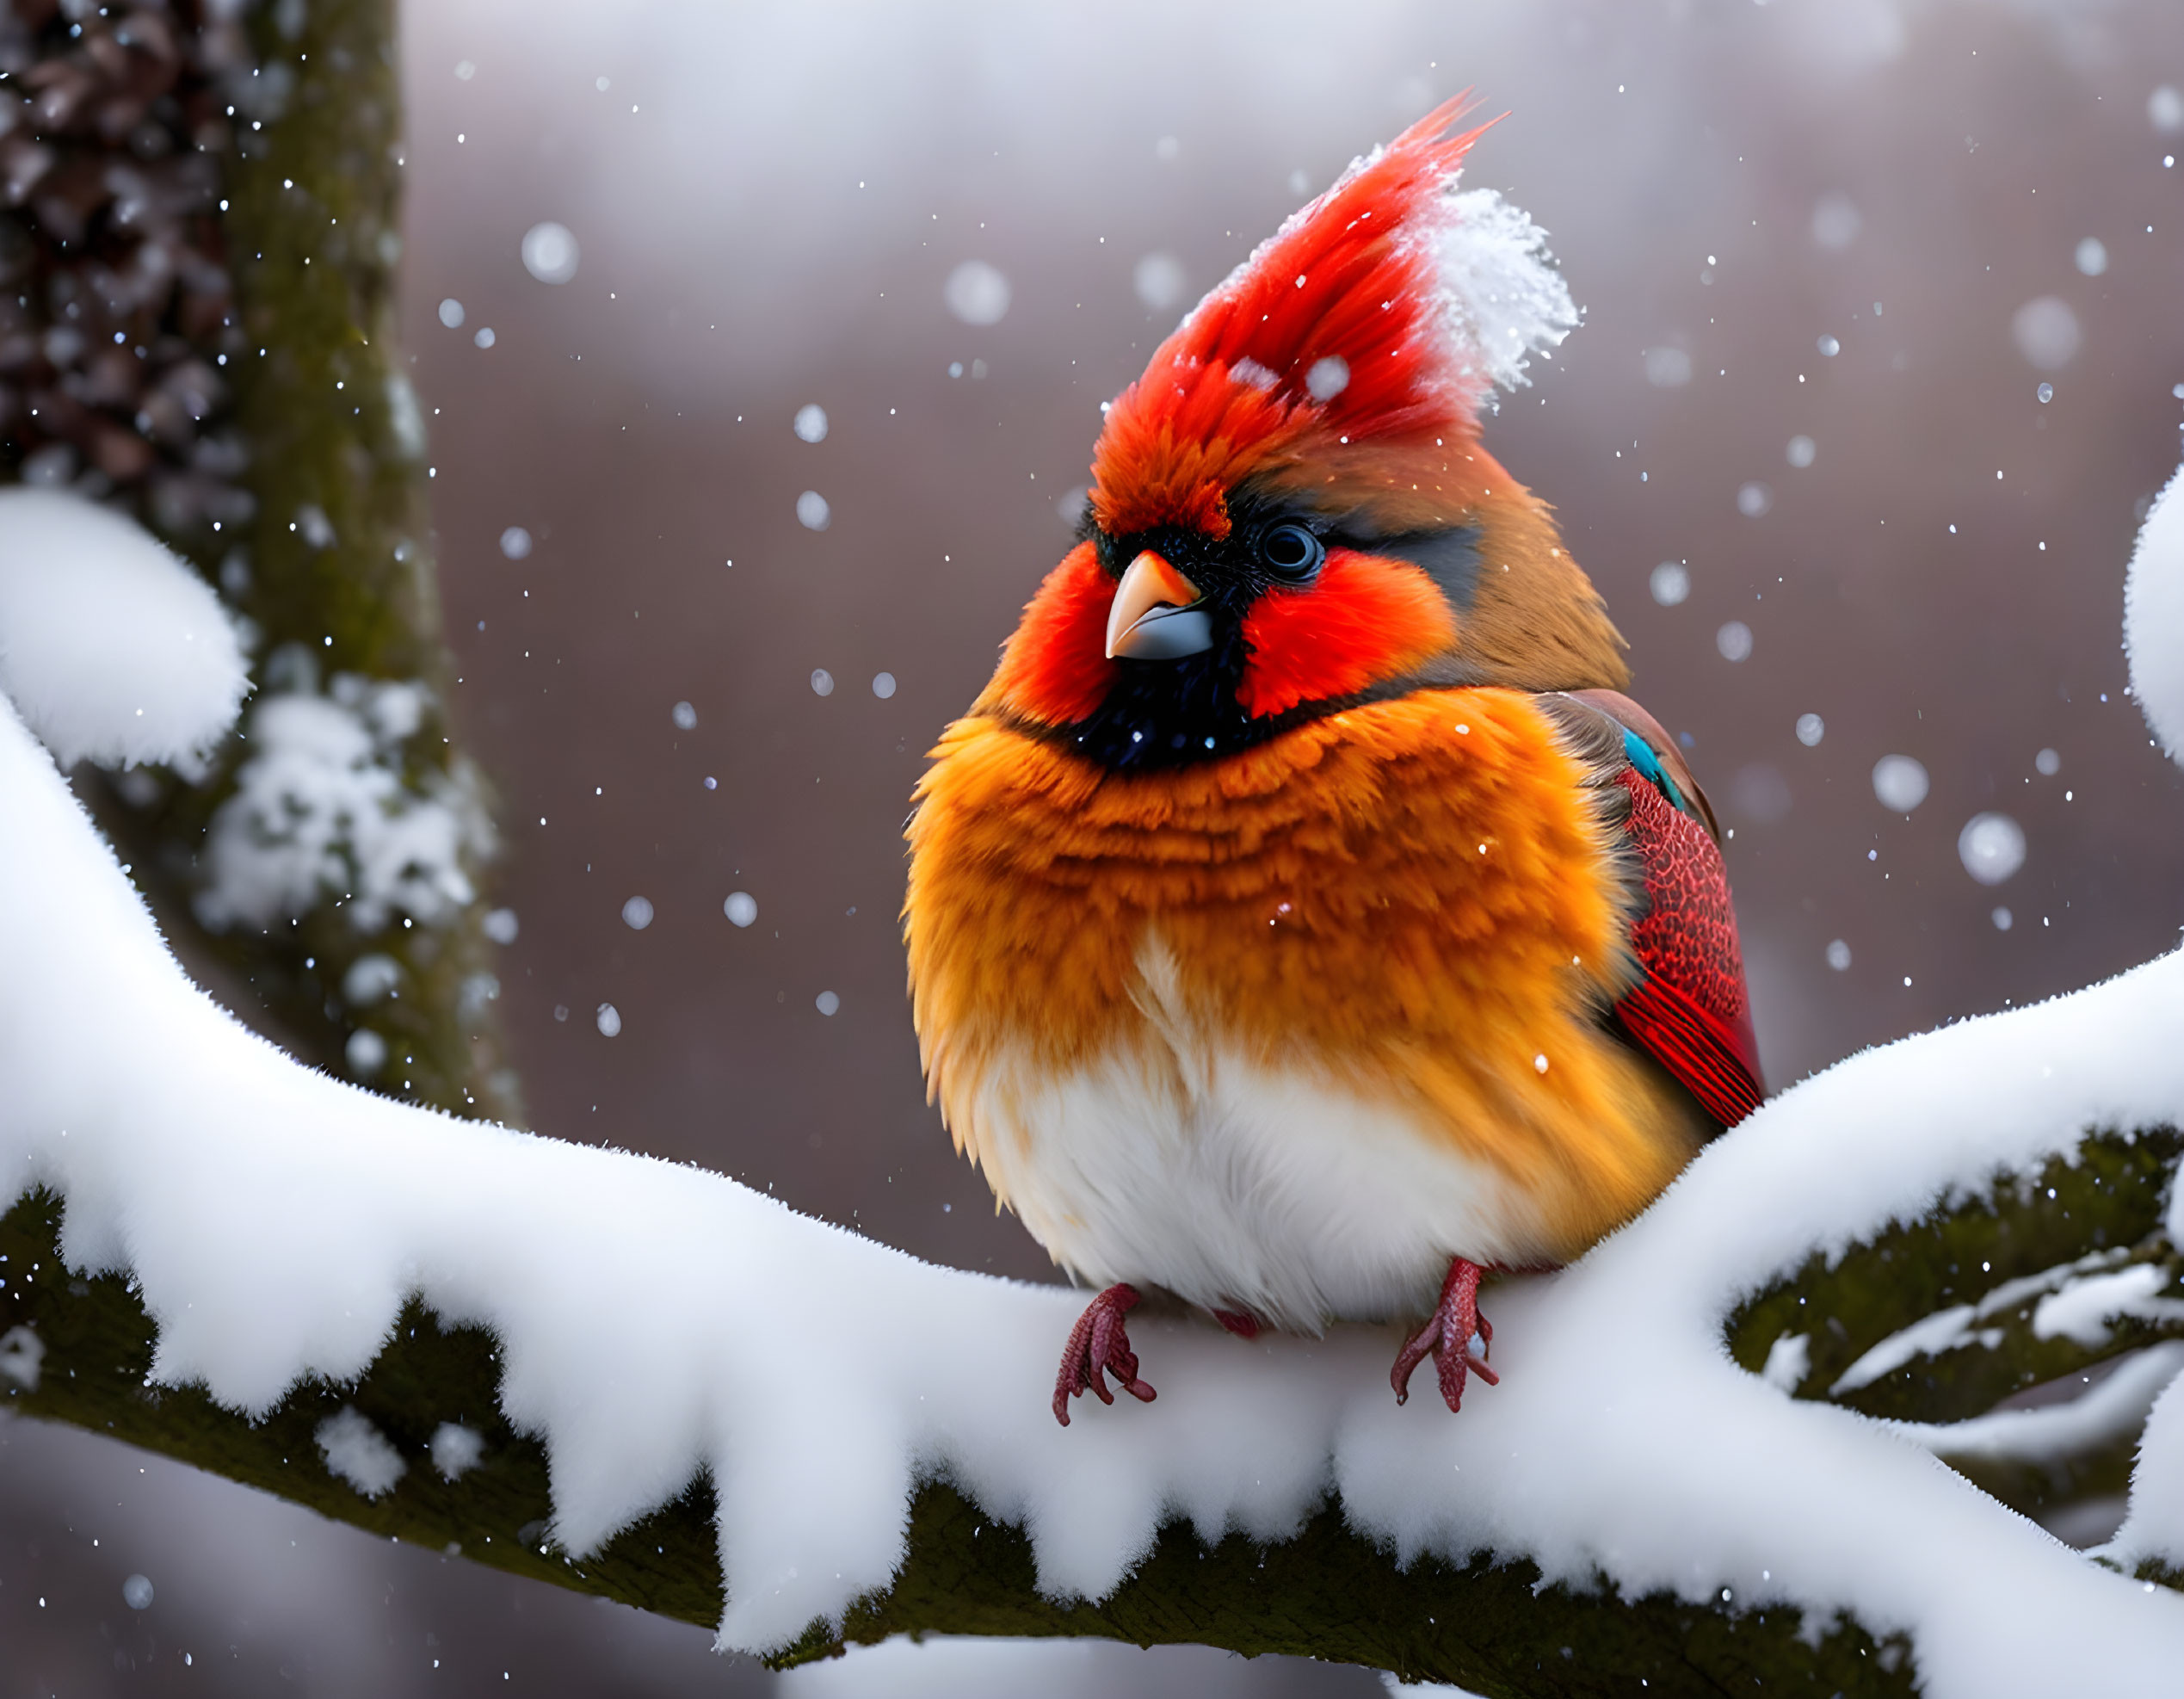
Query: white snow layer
[
  {"x": 2154, "y": 618},
  {"x": 321, "y": 810},
  {"x": 656, "y": 1320},
  {"x": 1507, "y": 299},
  {"x": 109, "y": 648},
  {"x": 2053, "y": 1434}
]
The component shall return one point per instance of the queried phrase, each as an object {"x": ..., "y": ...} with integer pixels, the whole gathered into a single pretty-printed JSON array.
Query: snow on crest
[
  {"x": 2154, "y": 618},
  {"x": 1503, "y": 299},
  {"x": 109, "y": 648},
  {"x": 1506, "y": 300},
  {"x": 655, "y": 1320}
]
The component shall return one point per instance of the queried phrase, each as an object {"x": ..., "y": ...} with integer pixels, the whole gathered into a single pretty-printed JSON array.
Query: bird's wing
[{"x": 1689, "y": 1009}]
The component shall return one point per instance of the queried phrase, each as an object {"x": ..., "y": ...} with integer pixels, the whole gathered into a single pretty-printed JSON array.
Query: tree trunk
[{"x": 197, "y": 260}]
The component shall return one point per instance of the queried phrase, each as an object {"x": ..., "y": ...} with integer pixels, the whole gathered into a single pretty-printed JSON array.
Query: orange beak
[{"x": 1155, "y": 615}]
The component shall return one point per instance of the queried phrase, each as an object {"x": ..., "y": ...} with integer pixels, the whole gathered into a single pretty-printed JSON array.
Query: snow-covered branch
[{"x": 598, "y": 1343}]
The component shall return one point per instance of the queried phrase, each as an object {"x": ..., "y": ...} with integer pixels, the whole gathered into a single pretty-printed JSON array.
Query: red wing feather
[{"x": 1691, "y": 1011}]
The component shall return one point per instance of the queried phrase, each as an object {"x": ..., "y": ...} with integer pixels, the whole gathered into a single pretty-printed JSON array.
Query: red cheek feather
[
  {"x": 1056, "y": 668},
  {"x": 1366, "y": 618}
]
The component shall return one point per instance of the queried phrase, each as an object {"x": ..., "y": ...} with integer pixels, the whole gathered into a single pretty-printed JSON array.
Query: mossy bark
[{"x": 1329, "y": 1593}]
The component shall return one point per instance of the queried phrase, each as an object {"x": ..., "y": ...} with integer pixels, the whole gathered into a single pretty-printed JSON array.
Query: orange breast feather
[{"x": 1412, "y": 896}]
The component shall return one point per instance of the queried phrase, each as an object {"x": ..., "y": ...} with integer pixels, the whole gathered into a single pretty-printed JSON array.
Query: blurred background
[{"x": 763, "y": 349}]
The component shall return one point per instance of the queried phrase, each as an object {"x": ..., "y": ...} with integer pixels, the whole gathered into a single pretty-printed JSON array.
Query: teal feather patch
[{"x": 1641, "y": 756}]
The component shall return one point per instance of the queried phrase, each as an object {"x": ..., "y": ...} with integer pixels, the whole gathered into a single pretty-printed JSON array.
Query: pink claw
[
  {"x": 1100, "y": 1342},
  {"x": 1449, "y": 1336}
]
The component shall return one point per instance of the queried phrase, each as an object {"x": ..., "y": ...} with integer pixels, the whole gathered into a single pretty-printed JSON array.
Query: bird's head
[{"x": 1291, "y": 512}]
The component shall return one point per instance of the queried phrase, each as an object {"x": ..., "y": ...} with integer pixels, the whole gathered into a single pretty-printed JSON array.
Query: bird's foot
[
  {"x": 1448, "y": 1337},
  {"x": 1241, "y": 1323},
  {"x": 1099, "y": 1345}
]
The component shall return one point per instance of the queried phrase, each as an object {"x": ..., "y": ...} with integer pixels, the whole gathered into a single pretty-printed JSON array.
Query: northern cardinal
[{"x": 1301, "y": 921}]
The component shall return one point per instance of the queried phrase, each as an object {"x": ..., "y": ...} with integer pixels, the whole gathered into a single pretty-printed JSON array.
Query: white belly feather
[{"x": 1274, "y": 1193}]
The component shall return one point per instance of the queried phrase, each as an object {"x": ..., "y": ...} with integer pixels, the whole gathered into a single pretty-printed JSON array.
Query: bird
[{"x": 1302, "y": 922}]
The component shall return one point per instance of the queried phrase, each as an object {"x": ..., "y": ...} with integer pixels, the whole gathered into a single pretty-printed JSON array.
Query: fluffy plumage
[{"x": 1351, "y": 931}]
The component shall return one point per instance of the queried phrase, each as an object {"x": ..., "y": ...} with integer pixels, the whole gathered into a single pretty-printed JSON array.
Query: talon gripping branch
[{"x": 1301, "y": 921}]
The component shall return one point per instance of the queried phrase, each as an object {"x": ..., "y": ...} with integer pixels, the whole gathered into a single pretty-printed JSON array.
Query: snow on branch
[
  {"x": 160, "y": 685},
  {"x": 2154, "y": 618},
  {"x": 658, "y": 1325}
]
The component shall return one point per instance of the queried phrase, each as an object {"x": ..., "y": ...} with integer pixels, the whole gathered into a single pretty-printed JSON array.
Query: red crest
[{"x": 1356, "y": 346}]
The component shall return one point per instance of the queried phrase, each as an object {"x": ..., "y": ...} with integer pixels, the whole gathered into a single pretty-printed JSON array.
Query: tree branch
[{"x": 1329, "y": 1593}]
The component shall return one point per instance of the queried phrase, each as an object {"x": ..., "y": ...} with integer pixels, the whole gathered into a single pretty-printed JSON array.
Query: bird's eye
[{"x": 1291, "y": 551}]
